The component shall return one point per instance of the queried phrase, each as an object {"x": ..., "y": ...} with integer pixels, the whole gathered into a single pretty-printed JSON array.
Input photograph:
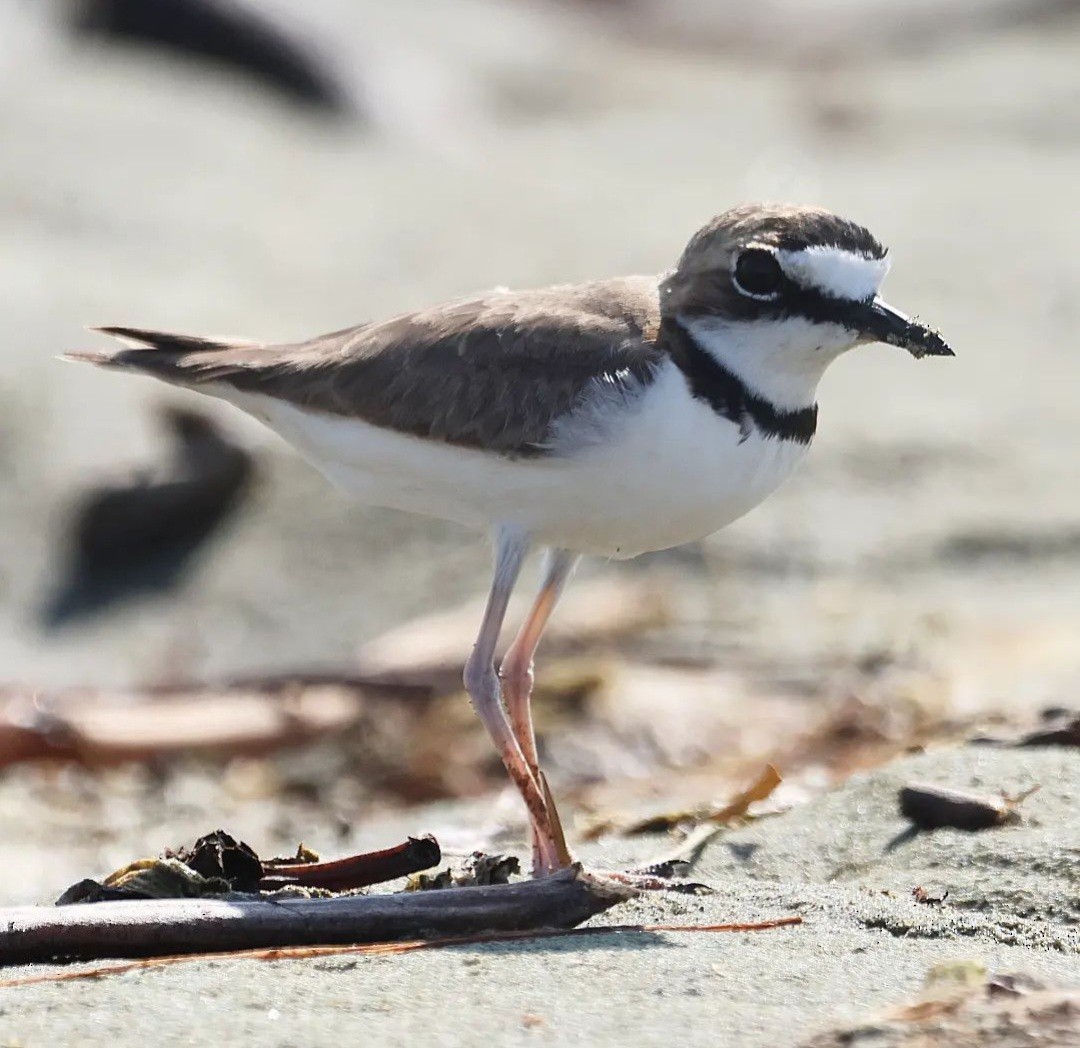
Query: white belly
[{"x": 667, "y": 472}]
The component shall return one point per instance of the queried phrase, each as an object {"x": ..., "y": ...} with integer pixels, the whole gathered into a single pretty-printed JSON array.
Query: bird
[{"x": 611, "y": 418}]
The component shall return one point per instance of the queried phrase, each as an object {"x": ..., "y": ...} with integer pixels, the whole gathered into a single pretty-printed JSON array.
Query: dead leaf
[{"x": 737, "y": 808}]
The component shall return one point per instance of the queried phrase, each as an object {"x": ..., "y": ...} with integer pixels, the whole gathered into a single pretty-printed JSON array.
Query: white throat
[{"x": 781, "y": 361}]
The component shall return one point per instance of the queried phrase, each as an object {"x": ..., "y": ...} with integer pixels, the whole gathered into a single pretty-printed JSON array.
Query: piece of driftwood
[
  {"x": 97, "y": 727},
  {"x": 30, "y": 934},
  {"x": 356, "y": 871},
  {"x": 304, "y": 953},
  {"x": 931, "y": 807}
]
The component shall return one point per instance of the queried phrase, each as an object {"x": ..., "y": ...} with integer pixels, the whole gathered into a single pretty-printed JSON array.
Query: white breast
[
  {"x": 672, "y": 471},
  {"x": 643, "y": 473}
]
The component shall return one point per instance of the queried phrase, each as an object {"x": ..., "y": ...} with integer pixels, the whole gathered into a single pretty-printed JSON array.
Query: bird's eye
[{"x": 757, "y": 274}]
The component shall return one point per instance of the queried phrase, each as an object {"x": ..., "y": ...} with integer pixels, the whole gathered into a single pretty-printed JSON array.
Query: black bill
[{"x": 879, "y": 322}]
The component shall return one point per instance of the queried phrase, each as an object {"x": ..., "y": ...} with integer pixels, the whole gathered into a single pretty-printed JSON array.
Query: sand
[
  {"x": 865, "y": 944},
  {"x": 936, "y": 520}
]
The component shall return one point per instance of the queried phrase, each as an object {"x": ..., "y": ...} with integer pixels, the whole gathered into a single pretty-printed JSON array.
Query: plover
[{"x": 611, "y": 418}]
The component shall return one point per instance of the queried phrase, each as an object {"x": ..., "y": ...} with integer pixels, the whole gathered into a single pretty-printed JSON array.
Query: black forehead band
[
  {"x": 823, "y": 231},
  {"x": 864, "y": 245}
]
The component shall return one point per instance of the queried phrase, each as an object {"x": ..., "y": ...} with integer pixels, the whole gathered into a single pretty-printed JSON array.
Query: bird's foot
[
  {"x": 550, "y": 854},
  {"x": 662, "y": 877}
]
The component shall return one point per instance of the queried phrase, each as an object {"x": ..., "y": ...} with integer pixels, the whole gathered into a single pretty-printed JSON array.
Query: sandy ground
[
  {"x": 937, "y": 521},
  {"x": 865, "y": 944}
]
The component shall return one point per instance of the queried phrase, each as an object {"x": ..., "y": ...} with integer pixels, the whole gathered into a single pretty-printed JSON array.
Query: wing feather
[{"x": 492, "y": 372}]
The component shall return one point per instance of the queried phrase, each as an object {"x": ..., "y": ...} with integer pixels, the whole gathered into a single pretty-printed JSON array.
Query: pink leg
[
  {"x": 513, "y": 736},
  {"x": 482, "y": 684},
  {"x": 516, "y": 674}
]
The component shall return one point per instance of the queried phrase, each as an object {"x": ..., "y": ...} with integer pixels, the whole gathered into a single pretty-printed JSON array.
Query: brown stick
[
  {"x": 153, "y": 927},
  {"x": 302, "y": 953},
  {"x": 100, "y": 726},
  {"x": 357, "y": 871}
]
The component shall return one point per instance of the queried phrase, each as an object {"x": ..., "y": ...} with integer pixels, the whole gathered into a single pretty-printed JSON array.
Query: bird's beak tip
[
  {"x": 930, "y": 344},
  {"x": 890, "y": 325}
]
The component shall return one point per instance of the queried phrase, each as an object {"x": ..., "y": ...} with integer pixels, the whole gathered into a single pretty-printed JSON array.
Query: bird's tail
[{"x": 183, "y": 359}]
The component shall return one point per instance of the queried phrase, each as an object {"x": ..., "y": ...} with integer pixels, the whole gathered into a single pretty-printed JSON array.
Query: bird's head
[{"x": 777, "y": 292}]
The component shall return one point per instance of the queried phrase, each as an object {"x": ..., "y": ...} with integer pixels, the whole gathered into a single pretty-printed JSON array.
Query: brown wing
[{"x": 491, "y": 372}]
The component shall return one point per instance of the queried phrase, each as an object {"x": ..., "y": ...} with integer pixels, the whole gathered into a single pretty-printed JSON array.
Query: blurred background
[{"x": 196, "y": 629}]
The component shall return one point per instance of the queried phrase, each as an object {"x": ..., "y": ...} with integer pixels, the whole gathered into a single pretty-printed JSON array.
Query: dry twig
[
  {"x": 296, "y": 953},
  {"x": 170, "y": 926},
  {"x": 356, "y": 871}
]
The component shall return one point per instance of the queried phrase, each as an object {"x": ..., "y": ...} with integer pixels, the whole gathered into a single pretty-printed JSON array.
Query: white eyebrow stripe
[{"x": 834, "y": 271}]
